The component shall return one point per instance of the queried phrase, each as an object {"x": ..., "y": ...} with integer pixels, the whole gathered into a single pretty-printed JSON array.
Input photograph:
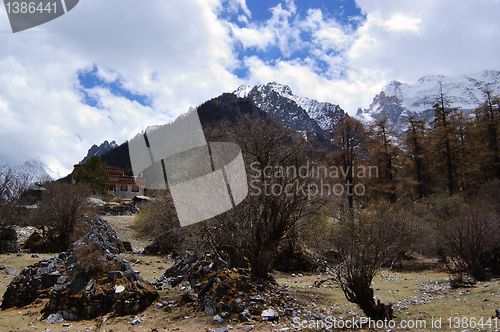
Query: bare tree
[
  {"x": 444, "y": 130},
  {"x": 469, "y": 236},
  {"x": 61, "y": 208},
  {"x": 365, "y": 241},
  {"x": 278, "y": 195}
]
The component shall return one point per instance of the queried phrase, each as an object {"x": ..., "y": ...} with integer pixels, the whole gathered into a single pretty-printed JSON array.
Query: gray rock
[
  {"x": 61, "y": 280},
  {"x": 90, "y": 284},
  {"x": 11, "y": 271},
  {"x": 55, "y": 318},
  {"x": 270, "y": 314},
  {"x": 218, "y": 319},
  {"x": 68, "y": 315}
]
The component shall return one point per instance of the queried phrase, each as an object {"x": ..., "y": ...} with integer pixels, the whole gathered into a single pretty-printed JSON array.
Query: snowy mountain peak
[
  {"x": 242, "y": 91},
  {"x": 16, "y": 179},
  {"x": 303, "y": 114},
  {"x": 282, "y": 89},
  {"x": 398, "y": 100}
]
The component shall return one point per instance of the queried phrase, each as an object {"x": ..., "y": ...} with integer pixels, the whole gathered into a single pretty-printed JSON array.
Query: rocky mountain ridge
[
  {"x": 99, "y": 150},
  {"x": 397, "y": 100}
]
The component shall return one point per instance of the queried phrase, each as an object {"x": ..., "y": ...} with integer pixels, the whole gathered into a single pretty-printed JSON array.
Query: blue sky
[{"x": 100, "y": 70}]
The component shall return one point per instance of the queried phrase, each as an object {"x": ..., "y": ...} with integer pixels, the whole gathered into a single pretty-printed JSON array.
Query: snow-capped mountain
[
  {"x": 15, "y": 179},
  {"x": 398, "y": 100},
  {"x": 99, "y": 150},
  {"x": 300, "y": 113}
]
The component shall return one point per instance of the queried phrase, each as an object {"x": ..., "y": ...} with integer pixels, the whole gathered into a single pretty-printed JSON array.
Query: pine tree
[
  {"x": 93, "y": 173},
  {"x": 444, "y": 132},
  {"x": 487, "y": 115},
  {"x": 414, "y": 144},
  {"x": 384, "y": 153},
  {"x": 347, "y": 138}
]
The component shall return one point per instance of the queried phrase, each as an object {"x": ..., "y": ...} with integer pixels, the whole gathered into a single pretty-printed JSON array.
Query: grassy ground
[{"x": 416, "y": 295}]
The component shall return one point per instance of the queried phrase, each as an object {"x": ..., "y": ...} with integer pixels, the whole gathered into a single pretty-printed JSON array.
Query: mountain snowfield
[
  {"x": 20, "y": 177},
  {"x": 398, "y": 100}
]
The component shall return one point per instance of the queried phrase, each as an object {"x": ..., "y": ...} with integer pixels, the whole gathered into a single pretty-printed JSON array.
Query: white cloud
[
  {"x": 177, "y": 52},
  {"x": 402, "y": 22},
  {"x": 280, "y": 31}
]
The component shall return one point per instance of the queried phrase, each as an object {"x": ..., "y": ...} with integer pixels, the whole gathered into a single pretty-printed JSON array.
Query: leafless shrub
[
  {"x": 365, "y": 241},
  {"x": 158, "y": 221},
  {"x": 60, "y": 211},
  {"x": 469, "y": 236}
]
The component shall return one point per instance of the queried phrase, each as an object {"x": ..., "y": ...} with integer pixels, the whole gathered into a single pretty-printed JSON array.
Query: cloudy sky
[{"x": 98, "y": 71}]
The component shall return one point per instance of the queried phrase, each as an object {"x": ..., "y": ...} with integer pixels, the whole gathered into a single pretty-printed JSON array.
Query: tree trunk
[
  {"x": 376, "y": 311},
  {"x": 478, "y": 271},
  {"x": 260, "y": 265}
]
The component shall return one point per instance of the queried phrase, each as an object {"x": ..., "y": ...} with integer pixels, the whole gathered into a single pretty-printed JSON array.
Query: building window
[
  {"x": 124, "y": 187},
  {"x": 111, "y": 187},
  {"x": 135, "y": 188}
]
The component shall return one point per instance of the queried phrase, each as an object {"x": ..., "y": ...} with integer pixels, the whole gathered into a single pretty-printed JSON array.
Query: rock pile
[
  {"x": 116, "y": 288},
  {"x": 87, "y": 281},
  {"x": 102, "y": 234},
  {"x": 217, "y": 289}
]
